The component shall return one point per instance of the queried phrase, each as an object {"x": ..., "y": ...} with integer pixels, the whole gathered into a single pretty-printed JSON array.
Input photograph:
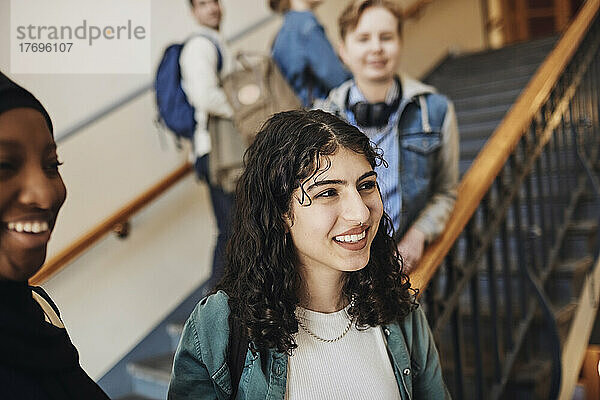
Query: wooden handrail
[
  {"x": 60, "y": 260},
  {"x": 489, "y": 162}
]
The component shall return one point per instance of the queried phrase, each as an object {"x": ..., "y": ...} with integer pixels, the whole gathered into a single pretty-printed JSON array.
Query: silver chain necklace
[{"x": 320, "y": 339}]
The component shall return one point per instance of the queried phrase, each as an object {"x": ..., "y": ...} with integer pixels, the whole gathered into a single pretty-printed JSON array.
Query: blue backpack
[{"x": 174, "y": 109}]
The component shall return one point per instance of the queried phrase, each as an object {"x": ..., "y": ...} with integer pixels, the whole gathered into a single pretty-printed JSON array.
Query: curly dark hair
[{"x": 261, "y": 274}]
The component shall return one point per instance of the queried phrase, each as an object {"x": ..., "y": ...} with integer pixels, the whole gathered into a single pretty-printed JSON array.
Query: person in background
[
  {"x": 203, "y": 61},
  {"x": 312, "y": 278},
  {"x": 303, "y": 53},
  {"x": 413, "y": 125},
  {"x": 37, "y": 359}
]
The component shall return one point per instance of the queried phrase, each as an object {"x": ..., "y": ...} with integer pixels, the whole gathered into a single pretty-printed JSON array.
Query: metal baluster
[
  {"x": 574, "y": 132},
  {"x": 475, "y": 309},
  {"x": 518, "y": 235},
  {"x": 532, "y": 227},
  {"x": 558, "y": 172},
  {"x": 493, "y": 296},
  {"x": 506, "y": 270},
  {"x": 542, "y": 211},
  {"x": 457, "y": 334},
  {"x": 593, "y": 103},
  {"x": 594, "y": 100},
  {"x": 430, "y": 295},
  {"x": 450, "y": 263},
  {"x": 552, "y": 194},
  {"x": 570, "y": 177}
]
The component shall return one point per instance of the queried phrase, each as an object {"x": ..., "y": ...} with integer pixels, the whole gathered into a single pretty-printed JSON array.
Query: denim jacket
[
  {"x": 428, "y": 140},
  {"x": 200, "y": 368},
  {"x": 306, "y": 58}
]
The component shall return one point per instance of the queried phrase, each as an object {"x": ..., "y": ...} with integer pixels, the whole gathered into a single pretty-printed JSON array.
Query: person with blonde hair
[
  {"x": 413, "y": 125},
  {"x": 303, "y": 52}
]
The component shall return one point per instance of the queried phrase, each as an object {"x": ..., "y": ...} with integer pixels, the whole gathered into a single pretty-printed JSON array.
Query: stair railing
[{"x": 485, "y": 281}]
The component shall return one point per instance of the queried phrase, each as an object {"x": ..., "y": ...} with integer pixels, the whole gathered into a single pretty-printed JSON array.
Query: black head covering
[
  {"x": 37, "y": 359},
  {"x": 14, "y": 96}
]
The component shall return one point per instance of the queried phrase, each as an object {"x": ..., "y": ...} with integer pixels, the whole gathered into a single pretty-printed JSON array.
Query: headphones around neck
[{"x": 376, "y": 115}]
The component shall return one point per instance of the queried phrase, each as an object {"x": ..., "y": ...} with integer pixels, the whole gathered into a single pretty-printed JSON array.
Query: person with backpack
[
  {"x": 303, "y": 52},
  {"x": 204, "y": 60},
  {"x": 414, "y": 126},
  {"x": 314, "y": 296}
]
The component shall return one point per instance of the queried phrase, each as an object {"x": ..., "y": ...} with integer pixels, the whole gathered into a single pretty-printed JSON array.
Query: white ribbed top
[{"x": 355, "y": 367}]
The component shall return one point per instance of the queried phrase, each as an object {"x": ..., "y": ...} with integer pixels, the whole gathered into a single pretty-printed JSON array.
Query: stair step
[
  {"x": 519, "y": 52},
  {"x": 530, "y": 381},
  {"x": 456, "y": 91},
  {"x": 174, "y": 331},
  {"x": 150, "y": 377},
  {"x": 581, "y": 239},
  {"x": 478, "y": 130},
  {"x": 487, "y": 99},
  {"x": 467, "y": 78},
  {"x": 588, "y": 207},
  {"x": 482, "y": 114},
  {"x": 470, "y": 148},
  {"x": 567, "y": 279}
]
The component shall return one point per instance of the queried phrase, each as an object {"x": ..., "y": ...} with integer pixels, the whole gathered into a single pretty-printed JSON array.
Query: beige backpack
[{"x": 256, "y": 91}]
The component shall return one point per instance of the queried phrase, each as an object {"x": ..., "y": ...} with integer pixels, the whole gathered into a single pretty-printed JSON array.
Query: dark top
[{"x": 37, "y": 359}]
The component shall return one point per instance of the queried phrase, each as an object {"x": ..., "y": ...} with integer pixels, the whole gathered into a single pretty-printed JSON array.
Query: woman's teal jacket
[{"x": 200, "y": 369}]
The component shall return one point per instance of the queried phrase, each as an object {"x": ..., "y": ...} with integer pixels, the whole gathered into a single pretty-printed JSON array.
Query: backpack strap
[
  {"x": 51, "y": 313},
  {"x": 236, "y": 356}
]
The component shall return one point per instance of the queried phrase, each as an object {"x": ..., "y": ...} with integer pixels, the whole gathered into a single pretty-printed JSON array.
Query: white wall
[{"x": 114, "y": 294}]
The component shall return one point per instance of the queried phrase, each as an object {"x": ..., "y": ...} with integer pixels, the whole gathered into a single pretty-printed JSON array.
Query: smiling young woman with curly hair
[{"x": 313, "y": 279}]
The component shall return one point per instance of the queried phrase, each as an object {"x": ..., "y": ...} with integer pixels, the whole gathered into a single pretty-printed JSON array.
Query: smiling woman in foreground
[
  {"x": 312, "y": 279},
  {"x": 37, "y": 359}
]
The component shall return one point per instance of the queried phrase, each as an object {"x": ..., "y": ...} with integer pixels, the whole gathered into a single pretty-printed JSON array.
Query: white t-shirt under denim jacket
[
  {"x": 355, "y": 365},
  {"x": 408, "y": 365}
]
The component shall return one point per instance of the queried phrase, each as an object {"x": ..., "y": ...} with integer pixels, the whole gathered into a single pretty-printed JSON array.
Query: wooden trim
[
  {"x": 521, "y": 16},
  {"x": 415, "y": 9},
  {"x": 67, "y": 255},
  {"x": 509, "y": 29},
  {"x": 548, "y": 12},
  {"x": 482, "y": 173},
  {"x": 562, "y": 10}
]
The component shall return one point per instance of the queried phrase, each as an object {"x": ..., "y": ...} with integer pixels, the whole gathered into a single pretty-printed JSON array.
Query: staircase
[{"x": 483, "y": 87}]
